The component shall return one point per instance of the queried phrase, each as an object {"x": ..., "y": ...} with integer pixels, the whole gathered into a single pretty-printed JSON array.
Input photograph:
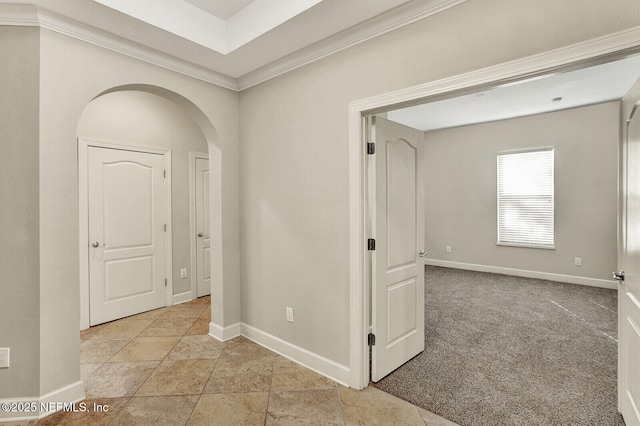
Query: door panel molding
[
  {"x": 193, "y": 239},
  {"x": 83, "y": 215},
  {"x": 396, "y": 188}
]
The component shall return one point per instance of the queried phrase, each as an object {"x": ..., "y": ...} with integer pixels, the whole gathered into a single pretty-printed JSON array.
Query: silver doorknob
[
  {"x": 200, "y": 234},
  {"x": 618, "y": 275},
  {"x": 422, "y": 253},
  {"x": 97, "y": 244}
]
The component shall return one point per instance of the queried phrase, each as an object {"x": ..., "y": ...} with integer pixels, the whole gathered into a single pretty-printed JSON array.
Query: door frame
[
  {"x": 589, "y": 53},
  {"x": 193, "y": 240},
  {"x": 83, "y": 216}
]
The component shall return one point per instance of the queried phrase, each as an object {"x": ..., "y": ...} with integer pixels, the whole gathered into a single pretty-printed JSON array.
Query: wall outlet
[
  {"x": 577, "y": 261},
  {"x": 448, "y": 249},
  {"x": 183, "y": 273},
  {"x": 289, "y": 314},
  {"x": 4, "y": 357}
]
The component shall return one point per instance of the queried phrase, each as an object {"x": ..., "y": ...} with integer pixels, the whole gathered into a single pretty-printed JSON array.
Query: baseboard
[
  {"x": 64, "y": 398},
  {"x": 571, "y": 279},
  {"x": 184, "y": 297},
  {"x": 224, "y": 333},
  {"x": 321, "y": 365}
]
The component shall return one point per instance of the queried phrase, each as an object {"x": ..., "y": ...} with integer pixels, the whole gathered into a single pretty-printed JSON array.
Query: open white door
[
  {"x": 203, "y": 229},
  {"x": 629, "y": 289},
  {"x": 126, "y": 205},
  {"x": 397, "y": 220}
]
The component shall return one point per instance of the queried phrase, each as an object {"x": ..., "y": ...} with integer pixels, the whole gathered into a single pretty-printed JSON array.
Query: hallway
[{"x": 161, "y": 367}]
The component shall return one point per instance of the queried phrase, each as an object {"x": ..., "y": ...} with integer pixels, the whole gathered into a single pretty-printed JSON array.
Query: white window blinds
[{"x": 525, "y": 198}]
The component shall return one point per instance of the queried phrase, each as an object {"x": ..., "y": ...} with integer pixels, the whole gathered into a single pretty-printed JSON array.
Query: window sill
[{"x": 544, "y": 247}]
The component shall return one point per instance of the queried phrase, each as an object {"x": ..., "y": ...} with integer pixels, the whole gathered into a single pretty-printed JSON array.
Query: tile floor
[{"x": 161, "y": 368}]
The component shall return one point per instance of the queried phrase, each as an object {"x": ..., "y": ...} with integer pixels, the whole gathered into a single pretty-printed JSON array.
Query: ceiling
[
  {"x": 553, "y": 92},
  {"x": 232, "y": 43},
  {"x": 223, "y": 9},
  {"x": 239, "y": 43}
]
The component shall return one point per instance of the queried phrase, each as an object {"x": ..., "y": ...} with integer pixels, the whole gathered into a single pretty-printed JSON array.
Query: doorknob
[
  {"x": 618, "y": 275},
  {"x": 200, "y": 234},
  {"x": 422, "y": 253},
  {"x": 97, "y": 244}
]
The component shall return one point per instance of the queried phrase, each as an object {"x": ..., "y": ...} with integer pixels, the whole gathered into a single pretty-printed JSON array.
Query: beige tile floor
[{"x": 161, "y": 368}]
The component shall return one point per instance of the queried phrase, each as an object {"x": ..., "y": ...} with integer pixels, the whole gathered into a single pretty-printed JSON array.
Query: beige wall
[
  {"x": 294, "y": 131},
  {"x": 461, "y": 191},
  {"x": 19, "y": 221},
  {"x": 67, "y": 76},
  {"x": 293, "y": 204},
  {"x": 144, "y": 119}
]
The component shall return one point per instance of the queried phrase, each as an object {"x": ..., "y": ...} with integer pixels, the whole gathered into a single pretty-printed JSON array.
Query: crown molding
[
  {"x": 30, "y": 15},
  {"x": 27, "y": 15},
  {"x": 379, "y": 25}
]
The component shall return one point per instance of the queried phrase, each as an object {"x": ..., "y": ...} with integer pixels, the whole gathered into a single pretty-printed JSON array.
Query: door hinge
[
  {"x": 371, "y": 339},
  {"x": 164, "y": 173},
  {"x": 371, "y": 244},
  {"x": 165, "y": 227},
  {"x": 371, "y": 148},
  {"x": 165, "y": 282}
]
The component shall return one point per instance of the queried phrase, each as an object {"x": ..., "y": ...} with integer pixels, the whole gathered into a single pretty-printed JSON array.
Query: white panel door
[
  {"x": 398, "y": 228},
  {"x": 629, "y": 289},
  {"x": 126, "y": 233},
  {"x": 203, "y": 229}
]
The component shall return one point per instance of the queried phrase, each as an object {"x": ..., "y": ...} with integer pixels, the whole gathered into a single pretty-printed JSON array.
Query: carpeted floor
[{"x": 503, "y": 350}]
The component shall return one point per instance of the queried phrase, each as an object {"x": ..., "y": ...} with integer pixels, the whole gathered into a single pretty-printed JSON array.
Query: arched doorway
[{"x": 152, "y": 119}]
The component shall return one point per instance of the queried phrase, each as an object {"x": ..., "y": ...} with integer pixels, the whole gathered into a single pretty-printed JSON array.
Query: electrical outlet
[
  {"x": 289, "y": 314},
  {"x": 183, "y": 273},
  {"x": 448, "y": 249},
  {"x": 577, "y": 261},
  {"x": 4, "y": 357}
]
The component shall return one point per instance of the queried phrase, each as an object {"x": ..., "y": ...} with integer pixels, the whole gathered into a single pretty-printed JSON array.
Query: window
[{"x": 525, "y": 199}]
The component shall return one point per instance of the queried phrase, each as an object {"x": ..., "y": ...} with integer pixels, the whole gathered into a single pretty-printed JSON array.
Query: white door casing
[
  {"x": 397, "y": 288},
  {"x": 629, "y": 289},
  {"x": 203, "y": 228},
  {"x": 126, "y": 199}
]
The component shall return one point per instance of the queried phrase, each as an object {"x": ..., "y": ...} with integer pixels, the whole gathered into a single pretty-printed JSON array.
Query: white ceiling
[
  {"x": 223, "y": 9},
  {"x": 597, "y": 84},
  {"x": 217, "y": 25}
]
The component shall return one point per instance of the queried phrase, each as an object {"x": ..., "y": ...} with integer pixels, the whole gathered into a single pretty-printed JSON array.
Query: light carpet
[{"x": 504, "y": 350}]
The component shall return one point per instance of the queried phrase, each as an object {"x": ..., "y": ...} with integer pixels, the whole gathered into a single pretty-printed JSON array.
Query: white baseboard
[
  {"x": 224, "y": 333},
  {"x": 571, "y": 279},
  {"x": 47, "y": 404},
  {"x": 183, "y": 297},
  {"x": 330, "y": 369}
]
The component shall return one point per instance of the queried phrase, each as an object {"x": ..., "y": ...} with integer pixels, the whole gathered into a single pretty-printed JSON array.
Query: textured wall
[
  {"x": 19, "y": 219},
  {"x": 461, "y": 191},
  {"x": 294, "y": 140}
]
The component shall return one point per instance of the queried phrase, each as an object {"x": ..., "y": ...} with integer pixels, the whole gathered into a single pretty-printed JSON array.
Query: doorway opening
[
  {"x": 467, "y": 85},
  {"x": 150, "y": 120}
]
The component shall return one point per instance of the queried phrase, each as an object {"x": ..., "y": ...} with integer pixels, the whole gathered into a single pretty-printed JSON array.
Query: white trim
[
  {"x": 321, "y": 365},
  {"x": 224, "y": 333},
  {"x": 27, "y": 15},
  {"x": 33, "y": 16},
  {"x": 398, "y": 17},
  {"x": 83, "y": 217},
  {"x": 71, "y": 393},
  {"x": 571, "y": 279},
  {"x": 193, "y": 240},
  {"x": 582, "y": 54},
  {"x": 183, "y": 297}
]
